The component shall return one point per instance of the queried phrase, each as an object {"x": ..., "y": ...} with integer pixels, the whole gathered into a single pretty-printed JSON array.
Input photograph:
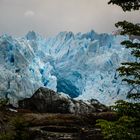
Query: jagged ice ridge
[{"x": 80, "y": 65}]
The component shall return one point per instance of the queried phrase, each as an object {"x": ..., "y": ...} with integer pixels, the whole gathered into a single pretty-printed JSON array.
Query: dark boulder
[{"x": 48, "y": 101}]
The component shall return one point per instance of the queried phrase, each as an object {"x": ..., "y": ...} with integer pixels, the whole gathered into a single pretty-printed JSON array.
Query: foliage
[
  {"x": 124, "y": 108},
  {"x": 128, "y": 28},
  {"x": 130, "y": 71},
  {"x": 127, "y": 127},
  {"x": 122, "y": 129},
  {"x": 127, "y": 5}
]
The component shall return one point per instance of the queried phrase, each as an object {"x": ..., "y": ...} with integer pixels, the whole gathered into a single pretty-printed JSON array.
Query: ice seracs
[{"x": 80, "y": 65}]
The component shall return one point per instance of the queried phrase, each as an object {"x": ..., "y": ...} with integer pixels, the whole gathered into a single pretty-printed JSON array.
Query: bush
[
  {"x": 127, "y": 126},
  {"x": 123, "y": 129}
]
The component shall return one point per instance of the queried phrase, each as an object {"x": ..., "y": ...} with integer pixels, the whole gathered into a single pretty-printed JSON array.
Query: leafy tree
[
  {"x": 127, "y": 5},
  {"x": 127, "y": 127},
  {"x": 130, "y": 71}
]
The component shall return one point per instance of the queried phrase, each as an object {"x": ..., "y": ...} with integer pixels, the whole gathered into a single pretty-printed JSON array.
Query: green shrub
[{"x": 126, "y": 128}]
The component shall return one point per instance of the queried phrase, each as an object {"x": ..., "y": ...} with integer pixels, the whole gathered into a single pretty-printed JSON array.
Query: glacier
[{"x": 82, "y": 66}]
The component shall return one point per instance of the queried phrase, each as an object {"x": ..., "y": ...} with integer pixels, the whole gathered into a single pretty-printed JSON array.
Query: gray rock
[{"x": 48, "y": 101}]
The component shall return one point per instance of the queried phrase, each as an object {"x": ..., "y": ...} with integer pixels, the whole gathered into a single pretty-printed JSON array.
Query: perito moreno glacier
[{"x": 80, "y": 65}]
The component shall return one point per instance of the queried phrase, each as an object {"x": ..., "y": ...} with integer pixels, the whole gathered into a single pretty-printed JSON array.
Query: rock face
[
  {"x": 48, "y": 101},
  {"x": 54, "y": 126}
]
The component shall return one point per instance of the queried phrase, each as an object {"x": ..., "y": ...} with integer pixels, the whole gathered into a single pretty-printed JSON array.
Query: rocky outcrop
[
  {"x": 47, "y": 101},
  {"x": 62, "y": 127},
  {"x": 66, "y": 126},
  {"x": 47, "y": 126}
]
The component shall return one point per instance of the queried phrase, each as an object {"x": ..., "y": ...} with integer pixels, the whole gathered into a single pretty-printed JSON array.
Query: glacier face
[{"x": 80, "y": 65}]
